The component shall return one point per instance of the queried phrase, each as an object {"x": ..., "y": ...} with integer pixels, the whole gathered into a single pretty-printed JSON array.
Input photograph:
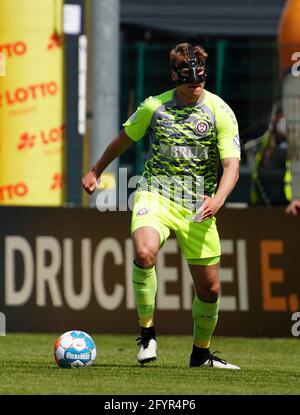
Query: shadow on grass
[{"x": 118, "y": 366}]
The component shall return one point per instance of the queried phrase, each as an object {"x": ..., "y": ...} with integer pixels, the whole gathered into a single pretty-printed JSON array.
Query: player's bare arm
[
  {"x": 119, "y": 144},
  {"x": 229, "y": 178}
]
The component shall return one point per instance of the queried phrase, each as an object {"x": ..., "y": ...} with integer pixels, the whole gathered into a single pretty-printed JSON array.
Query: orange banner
[{"x": 32, "y": 126}]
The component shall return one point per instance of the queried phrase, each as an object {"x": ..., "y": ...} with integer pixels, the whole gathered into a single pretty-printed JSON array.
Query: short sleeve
[
  {"x": 228, "y": 132},
  {"x": 138, "y": 124}
]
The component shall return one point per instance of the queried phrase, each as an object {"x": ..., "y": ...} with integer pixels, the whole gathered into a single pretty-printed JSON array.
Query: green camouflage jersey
[{"x": 186, "y": 142}]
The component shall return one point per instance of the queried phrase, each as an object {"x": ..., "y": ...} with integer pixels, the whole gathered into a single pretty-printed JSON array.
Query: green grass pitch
[{"x": 269, "y": 366}]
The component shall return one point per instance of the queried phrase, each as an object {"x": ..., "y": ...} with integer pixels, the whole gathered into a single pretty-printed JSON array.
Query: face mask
[{"x": 189, "y": 72}]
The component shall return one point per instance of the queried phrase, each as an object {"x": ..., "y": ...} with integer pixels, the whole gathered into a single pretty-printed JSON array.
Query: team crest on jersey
[
  {"x": 142, "y": 212},
  {"x": 202, "y": 127}
]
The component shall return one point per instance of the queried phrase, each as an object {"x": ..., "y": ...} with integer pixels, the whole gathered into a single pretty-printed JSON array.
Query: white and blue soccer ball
[{"x": 74, "y": 349}]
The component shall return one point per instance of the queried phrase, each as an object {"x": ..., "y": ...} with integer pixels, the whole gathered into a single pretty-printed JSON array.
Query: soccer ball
[{"x": 74, "y": 349}]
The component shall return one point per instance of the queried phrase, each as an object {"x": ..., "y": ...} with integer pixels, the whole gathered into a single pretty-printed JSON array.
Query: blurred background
[{"x": 71, "y": 72}]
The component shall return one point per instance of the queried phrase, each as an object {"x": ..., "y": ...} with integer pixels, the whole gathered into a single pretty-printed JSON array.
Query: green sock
[
  {"x": 205, "y": 317},
  {"x": 144, "y": 287}
]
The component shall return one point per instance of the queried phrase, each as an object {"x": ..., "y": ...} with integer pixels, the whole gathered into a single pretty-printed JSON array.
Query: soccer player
[{"x": 190, "y": 129}]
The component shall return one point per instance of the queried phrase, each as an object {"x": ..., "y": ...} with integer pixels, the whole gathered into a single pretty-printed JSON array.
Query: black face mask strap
[
  {"x": 192, "y": 57},
  {"x": 193, "y": 65}
]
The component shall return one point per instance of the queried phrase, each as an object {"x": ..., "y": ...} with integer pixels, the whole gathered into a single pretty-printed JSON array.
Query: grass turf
[{"x": 269, "y": 366}]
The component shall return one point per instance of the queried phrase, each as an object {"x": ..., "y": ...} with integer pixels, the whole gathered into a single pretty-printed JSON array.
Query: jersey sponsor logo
[
  {"x": 236, "y": 142},
  {"x": 202, "y": 127},
  {"x": 142, "y": 212},
  {"x": 185, "y": 152}
]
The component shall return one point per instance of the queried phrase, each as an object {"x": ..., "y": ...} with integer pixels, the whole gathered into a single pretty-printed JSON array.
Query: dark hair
[{"x": 179, "y": 54}]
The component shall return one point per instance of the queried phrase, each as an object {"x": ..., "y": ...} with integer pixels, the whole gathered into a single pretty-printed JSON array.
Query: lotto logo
[
  {"x": 14, "y": 49},
  {"x": 12, "y": 191},
  {"x": 28, "y": 93},
  {"x": 57, "y": 182},
  {"x": 55, "y": 41},
  {"x": 28, "y": 140},
  {"x": 2, "y": 64}
]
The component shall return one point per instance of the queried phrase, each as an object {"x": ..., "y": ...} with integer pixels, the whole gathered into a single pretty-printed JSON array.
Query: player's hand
[
  {"x": 89, "y": 182},
  {"x": 293, "y": 208},
  {"x": 208, "y": 209}
]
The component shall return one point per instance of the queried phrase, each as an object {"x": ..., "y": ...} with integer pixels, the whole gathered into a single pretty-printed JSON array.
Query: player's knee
[
  {"x": 145, "y": 256},
  {"x": 209, "y": 292}
]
